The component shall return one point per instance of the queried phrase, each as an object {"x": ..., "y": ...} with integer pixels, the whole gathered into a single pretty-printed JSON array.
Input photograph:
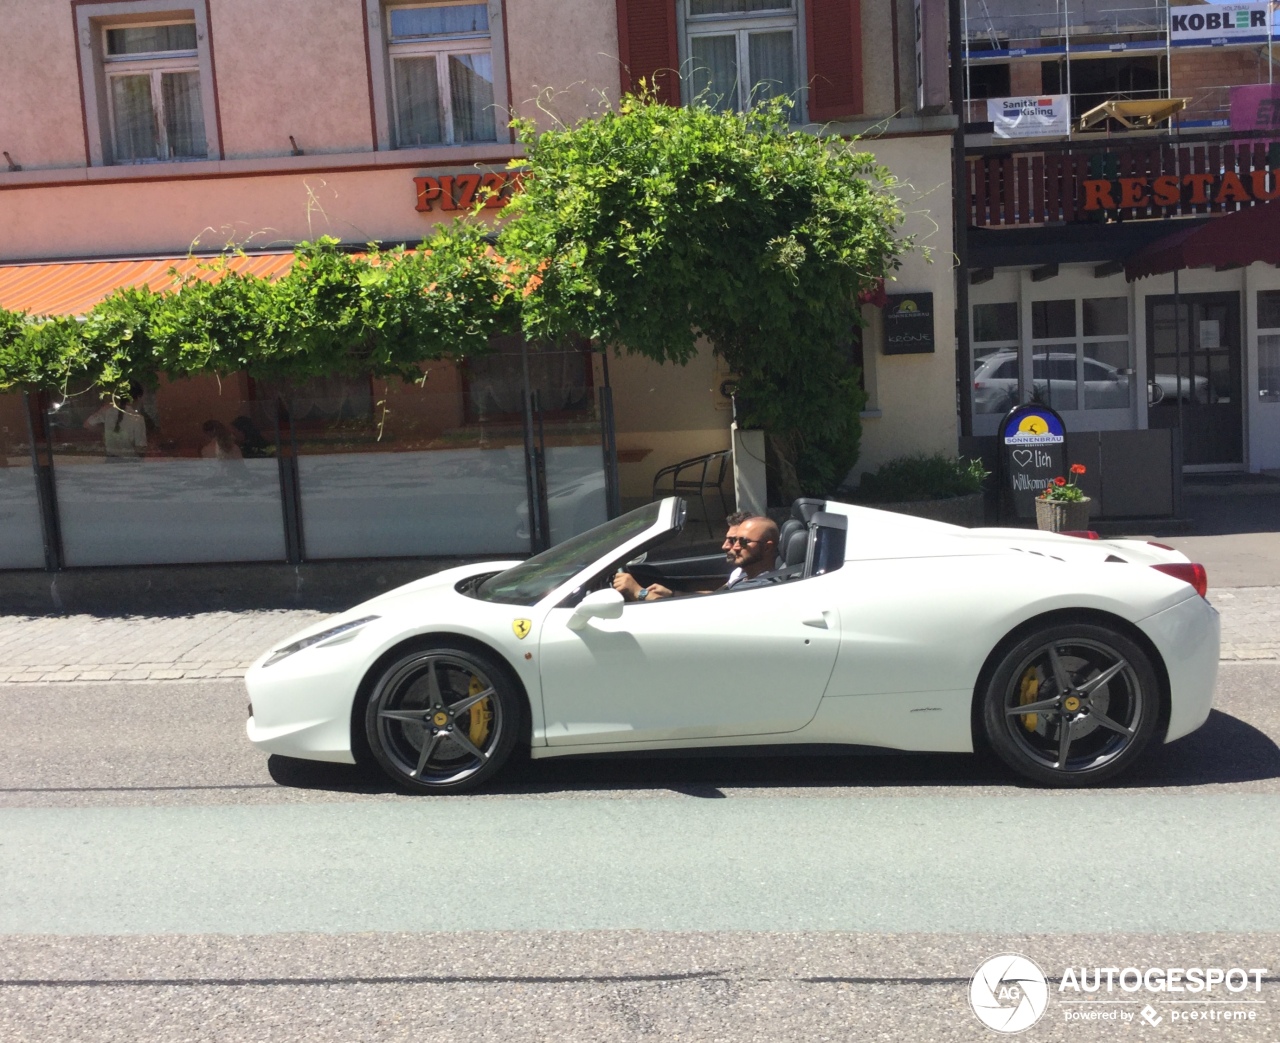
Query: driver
[{"x": 750, "y": 545}]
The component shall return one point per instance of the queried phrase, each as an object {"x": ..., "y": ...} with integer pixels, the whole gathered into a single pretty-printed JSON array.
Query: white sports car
[{"x": 1065, "y": 656}]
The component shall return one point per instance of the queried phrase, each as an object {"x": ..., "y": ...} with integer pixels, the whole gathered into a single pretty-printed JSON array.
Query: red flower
[
  {"x": 1059, "y": 480},
  {"x": 1077, "y": 468}
]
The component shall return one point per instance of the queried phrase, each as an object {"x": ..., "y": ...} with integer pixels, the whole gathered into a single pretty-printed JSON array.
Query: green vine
[{"x": 647, "y": 228}]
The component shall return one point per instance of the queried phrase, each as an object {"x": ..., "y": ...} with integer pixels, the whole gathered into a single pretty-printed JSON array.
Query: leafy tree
[{"x": 651, "y": 227}]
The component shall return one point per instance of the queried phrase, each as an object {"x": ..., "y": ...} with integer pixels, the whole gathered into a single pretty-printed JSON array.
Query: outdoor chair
[{"x": 697, "y": 476}]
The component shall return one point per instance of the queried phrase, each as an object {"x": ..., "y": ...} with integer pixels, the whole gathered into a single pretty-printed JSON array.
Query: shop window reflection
[
  {"x": 995, "y": 357},
  {"x": 137, "y": 481},
  {"x": 21, "y": 537}
]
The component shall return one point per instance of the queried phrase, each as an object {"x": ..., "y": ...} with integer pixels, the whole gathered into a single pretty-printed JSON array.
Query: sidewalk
[
  {"x": 223, "y": 644},
  {"x": 1236, "y": 537}
]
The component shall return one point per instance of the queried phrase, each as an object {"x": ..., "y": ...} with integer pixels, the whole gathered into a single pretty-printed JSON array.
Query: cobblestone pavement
[
  {"x": 140, "y": 648},
  {"x": 223, "y": 644}
]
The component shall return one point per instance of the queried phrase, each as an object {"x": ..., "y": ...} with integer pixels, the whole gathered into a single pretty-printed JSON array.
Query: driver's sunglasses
[{"x": 741, "y": 541}]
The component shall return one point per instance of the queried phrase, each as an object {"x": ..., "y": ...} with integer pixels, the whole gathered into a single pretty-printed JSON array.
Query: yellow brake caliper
[
  {"x": 481, "y": 713},
  {"x": 1027, "y": 694}
]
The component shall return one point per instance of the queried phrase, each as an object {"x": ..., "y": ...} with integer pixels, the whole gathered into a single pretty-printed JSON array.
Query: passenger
[{"x": 751, "y": 546}]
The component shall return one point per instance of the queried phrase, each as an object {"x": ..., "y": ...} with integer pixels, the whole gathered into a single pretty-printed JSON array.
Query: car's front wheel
[
  {"x": 442, "y": 719},
  {"x": 1072, "y": 704}
]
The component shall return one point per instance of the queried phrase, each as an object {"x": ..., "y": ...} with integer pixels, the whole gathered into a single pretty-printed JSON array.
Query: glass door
[{"x": 1194, "y": 374}]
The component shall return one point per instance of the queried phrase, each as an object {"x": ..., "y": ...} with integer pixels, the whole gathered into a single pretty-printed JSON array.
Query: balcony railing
[{"x": 1128, "y": 179}]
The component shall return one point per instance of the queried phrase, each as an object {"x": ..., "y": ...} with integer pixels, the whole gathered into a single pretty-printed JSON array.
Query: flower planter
[{"x": 1062, "y": 515}]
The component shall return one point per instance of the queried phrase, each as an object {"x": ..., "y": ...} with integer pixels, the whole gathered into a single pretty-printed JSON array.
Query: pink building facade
[{"x": 145, "y": 131}]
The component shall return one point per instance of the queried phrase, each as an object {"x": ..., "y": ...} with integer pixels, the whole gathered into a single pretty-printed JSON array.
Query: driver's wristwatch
[{"x": 642, "y": 593}]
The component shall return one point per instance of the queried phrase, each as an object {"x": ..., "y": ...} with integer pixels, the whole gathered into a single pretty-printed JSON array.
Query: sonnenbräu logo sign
[{"x": 1032, "y": 426}]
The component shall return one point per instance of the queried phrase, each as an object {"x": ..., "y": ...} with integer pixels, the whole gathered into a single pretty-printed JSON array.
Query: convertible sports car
[{"x": 1065, "y": 656}]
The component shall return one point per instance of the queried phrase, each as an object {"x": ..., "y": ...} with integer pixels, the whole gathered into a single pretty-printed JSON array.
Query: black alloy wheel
[
  {"x": 443, "y": 720},
  {"x": 1072, "y": 705}
]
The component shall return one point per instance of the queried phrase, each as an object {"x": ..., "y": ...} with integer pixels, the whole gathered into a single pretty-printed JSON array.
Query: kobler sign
[
  {"x": 1126, "y": 193},
  {"x": 1225, "y": 23}
]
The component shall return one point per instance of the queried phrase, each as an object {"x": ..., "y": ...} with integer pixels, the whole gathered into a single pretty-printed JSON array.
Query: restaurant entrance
[{"x": 1194, "y": 375}]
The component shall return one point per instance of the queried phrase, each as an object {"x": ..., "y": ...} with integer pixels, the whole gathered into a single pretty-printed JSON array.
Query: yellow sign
[{"x": 522, "y": 627}]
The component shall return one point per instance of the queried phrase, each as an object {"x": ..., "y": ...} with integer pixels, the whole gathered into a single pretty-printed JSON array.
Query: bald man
[{"x": 751, "y": 547}]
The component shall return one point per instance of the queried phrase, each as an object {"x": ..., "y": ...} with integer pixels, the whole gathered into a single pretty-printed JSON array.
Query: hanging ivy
[
  {"x": 646, "y": 228},
  {"x": 381, "y": 312}
]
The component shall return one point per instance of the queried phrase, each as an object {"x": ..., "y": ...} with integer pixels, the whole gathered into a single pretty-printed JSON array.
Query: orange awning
[{"x": 73, "y": 287}]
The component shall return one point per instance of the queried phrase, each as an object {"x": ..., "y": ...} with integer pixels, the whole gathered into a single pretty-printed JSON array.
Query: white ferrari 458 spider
[{"x": 1064, "y": 656}]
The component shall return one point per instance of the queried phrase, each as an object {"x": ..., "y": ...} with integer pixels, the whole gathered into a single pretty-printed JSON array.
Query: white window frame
[
  {"x": 1084, "y": 418},
  {"x": 742, "y": 26},
  {"x": 92, "y": 21},
  {"x": 384, "y": 51},
  {"x": 155, "y": 64},
  {"x": 1264, "y": 394}
]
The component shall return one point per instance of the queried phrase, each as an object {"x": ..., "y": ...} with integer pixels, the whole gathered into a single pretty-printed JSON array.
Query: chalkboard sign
[
  {"x": 908, "y": 324},
  {"x": 1033, "y": 452}
]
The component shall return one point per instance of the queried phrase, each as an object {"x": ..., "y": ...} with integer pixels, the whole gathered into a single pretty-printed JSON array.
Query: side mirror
[{"x": 606, "y": 604}]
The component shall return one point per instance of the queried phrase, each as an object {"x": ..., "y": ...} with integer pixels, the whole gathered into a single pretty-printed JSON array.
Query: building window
[
  {"x": 153, "y": 92},
  {"x": 442, "y": 74},
  {"x": 1081, "y": 354},
  {"x": 995, "y": 357},
  {"x": 148, "y": 82},
  {"x": 1269, "y": 345},
  {"x": 740, "y": 52}
]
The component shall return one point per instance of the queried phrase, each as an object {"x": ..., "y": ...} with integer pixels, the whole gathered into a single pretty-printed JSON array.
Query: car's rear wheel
[
  {"x": 1072, "y": 704},
  {"x": 442, "y": 719}
]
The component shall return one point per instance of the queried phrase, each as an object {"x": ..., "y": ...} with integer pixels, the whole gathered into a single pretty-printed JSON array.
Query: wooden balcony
[{"x": 1120, "y": 179}]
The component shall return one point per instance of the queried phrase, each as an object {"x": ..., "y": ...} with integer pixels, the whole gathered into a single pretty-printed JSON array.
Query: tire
[
  {"x": 1103, "y": 688},
  {"x": 442, "y": 719}
]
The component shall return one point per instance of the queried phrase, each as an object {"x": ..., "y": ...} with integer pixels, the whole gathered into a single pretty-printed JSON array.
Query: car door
[{"x": 740, "y": 662}]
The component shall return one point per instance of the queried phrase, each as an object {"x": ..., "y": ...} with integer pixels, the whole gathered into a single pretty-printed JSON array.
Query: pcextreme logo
[{"x": 1009, "y": 993}]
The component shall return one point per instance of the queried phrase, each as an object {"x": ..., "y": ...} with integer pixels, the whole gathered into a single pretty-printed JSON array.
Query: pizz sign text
[
  {"x": 1172, "y": 190},
  {"x": 463, "y": 191}
]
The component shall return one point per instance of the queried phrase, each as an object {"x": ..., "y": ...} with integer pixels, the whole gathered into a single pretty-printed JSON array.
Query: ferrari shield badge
[{"x": 522, "y": 627}]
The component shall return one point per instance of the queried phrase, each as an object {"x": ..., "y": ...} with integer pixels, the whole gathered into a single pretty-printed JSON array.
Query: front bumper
[{"x": 302, "y": 708}]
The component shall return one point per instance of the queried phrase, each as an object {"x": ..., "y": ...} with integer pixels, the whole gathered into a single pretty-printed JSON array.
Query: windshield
[{"x": 532, "y": 580}]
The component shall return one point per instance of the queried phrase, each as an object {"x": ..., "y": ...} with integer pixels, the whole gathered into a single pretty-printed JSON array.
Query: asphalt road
[{"x": 163, "y": 880}]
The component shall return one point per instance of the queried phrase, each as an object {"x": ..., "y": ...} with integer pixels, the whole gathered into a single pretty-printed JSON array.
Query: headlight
[{"x": 315, "y": 639}]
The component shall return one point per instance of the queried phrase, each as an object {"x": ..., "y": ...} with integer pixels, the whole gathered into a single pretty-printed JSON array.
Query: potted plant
[{"x": 1063, "y": 506}]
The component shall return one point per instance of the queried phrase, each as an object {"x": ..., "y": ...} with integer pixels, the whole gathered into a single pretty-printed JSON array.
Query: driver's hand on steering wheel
[{"x": 625, "y": 584}]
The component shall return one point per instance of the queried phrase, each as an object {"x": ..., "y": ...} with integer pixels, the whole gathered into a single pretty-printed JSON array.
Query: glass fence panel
[
  {"x": 413, "y": 473},
  {"x": 21, "y": 539},
  {"x": 179, "y": 474},
  {"x": 576, "y": 497}
]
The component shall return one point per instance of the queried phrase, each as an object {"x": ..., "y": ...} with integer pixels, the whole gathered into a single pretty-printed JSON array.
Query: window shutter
[
  {"x": 647, "y": 46},
  {"x": 835, "y": 59}
]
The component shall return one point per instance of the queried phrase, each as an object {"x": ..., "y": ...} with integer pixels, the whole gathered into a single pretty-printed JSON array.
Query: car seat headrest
[
  {"x": 793, "y": 550},
  {"x": 806, "y": 507}
]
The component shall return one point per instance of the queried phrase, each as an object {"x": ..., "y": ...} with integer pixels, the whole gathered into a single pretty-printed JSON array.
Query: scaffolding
[{"x": 1060, "y": 31}]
